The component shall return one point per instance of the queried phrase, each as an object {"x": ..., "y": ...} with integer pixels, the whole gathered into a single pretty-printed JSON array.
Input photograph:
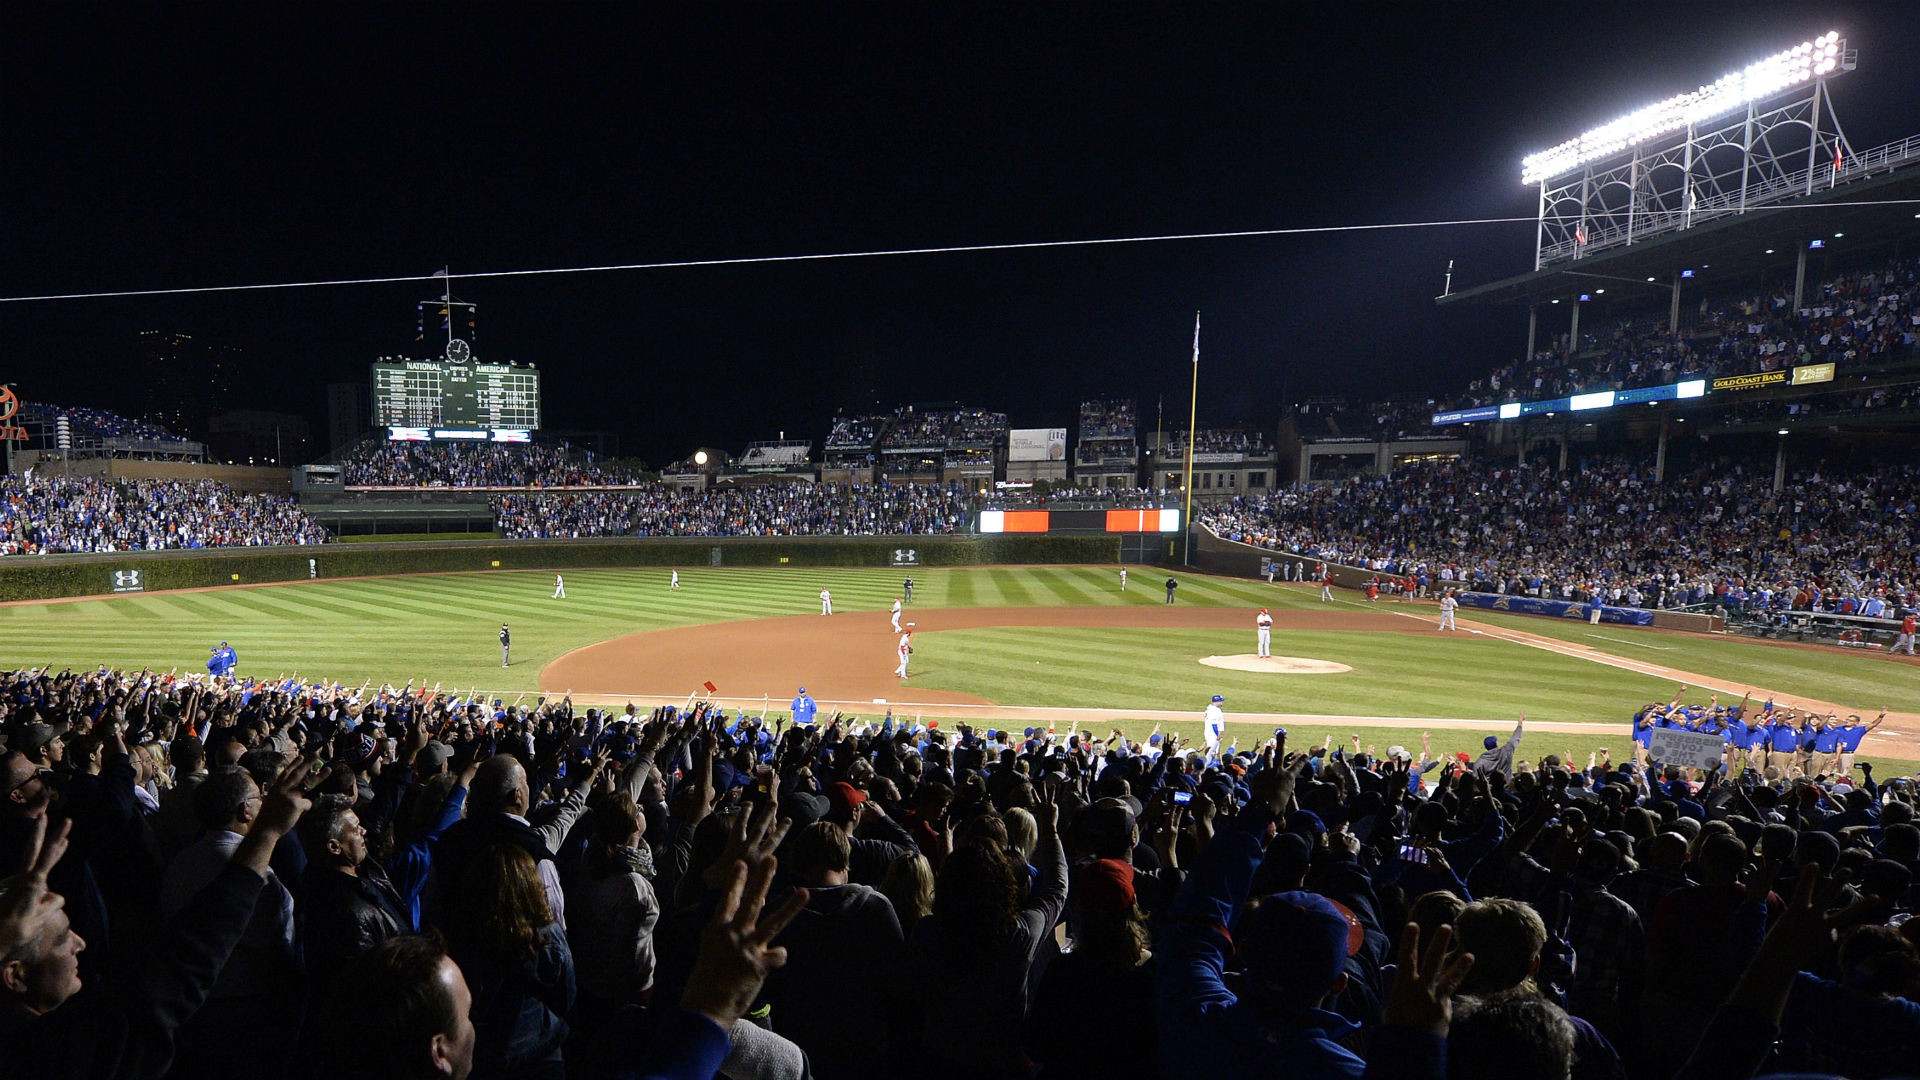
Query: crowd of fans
[
  {"x": 855, "y": 432},
  {"x": 85, "y": 422},
  {"x": 1866, "y": 317},
  {"x": 1107, "y": 419},
  {"x": 470, "y": 888},
  {"x": 910, "y": 428},
  {"x": 46, "y": 515},
  {"x": 1220, "y": 441},
  {"x": 1833, "y": 540},
  {"x": 772, "y": 510},
  {"x": 377, "y": 463}
]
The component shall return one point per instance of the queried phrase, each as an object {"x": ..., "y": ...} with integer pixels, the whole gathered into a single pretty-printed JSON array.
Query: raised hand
[
  {"x": 28, "y": 909},
  {"x": 736, "y": 948},
  {"x": 1422, "y": 994}
]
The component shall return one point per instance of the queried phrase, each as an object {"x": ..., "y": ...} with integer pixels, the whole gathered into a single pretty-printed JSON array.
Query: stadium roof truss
[{"x": 1755, "y": 137}]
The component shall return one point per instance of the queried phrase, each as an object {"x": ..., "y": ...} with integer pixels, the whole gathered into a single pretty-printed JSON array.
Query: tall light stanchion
[{"x": 1193, "y": 406}]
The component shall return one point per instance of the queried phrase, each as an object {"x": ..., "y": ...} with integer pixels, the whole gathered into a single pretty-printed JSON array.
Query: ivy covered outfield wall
[{"x": 39, "y": 577}]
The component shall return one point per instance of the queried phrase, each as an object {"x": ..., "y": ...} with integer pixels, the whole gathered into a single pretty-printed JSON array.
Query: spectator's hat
[
  {"x": 433, "y": 756},
  {"x": 1398, "y": 753},
  {"x": 1105, "y": 888},
  {"x": 1297, "y": 943},
  {"x": 846, "y": 798},
  {"x": 30, "y": 738},
  {"x": 1491, "y": 741},
  {"x": 1306, "y": 823}
]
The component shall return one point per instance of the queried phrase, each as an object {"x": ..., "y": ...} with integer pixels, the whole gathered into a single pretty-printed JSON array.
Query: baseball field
[{"x": 998, "y": 647}]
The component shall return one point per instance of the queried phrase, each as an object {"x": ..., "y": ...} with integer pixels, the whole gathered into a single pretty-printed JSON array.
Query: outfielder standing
[
  {"x": 559, "y": 588},
  {"x": 1263, "y": 631},
  {"x": 1123, "y": 579},
  {"x": 1447, "y": 606},
  {"x": 896, "y": 614},
  {"x": 906, "y": 650},
  {"x": 826, "y": 602},
  {"x": 1216, "y": 725},
  {"x": 506, "y": 644},
  {"x": 674, "y": 582}
]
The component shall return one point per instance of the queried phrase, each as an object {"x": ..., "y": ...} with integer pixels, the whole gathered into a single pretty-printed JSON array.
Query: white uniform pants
[
  {"x": 1446, "y": 620},
  {"x": 1326, "y": 592},
  {"x": 902, "y": 670},
  {"x": 826, "y": 606},
  {"x": 896, "y": 622},
  {"x": 1265, "y": 634},
  {"x": 559, "y": 591}
]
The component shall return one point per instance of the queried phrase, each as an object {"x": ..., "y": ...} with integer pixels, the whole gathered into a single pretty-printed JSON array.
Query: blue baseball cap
[
  {"x": 1297, "y": 943},
  {"x": 803, "y": 689},
  {"x": 1217, "y": 699}
]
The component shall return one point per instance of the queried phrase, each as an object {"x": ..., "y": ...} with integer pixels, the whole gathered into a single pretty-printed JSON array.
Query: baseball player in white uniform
[
  {"x": 674, "y": 583},
  {"x": 1326, "y": 584},
  {"x": 826, "y": 602},
  {"x": 1263, "y": 632},
  {"x": 896, "y": 614},
  {"x": 1123, "y": 579},
  {"x": 906, "y": 650},
  {"x": 1216, "y": 725},
  {"x": 1447, "y": 606},
  {"x": 559, "y": 588}
]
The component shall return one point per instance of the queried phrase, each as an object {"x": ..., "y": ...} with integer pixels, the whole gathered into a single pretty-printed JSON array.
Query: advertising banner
[
  {"x": 1687, "y": 749},
  {"x": 1753, "y": 381},
  {"x": 1561, "y": 609},
  {"x": 1812, "y": 373},
  {"x": 1037, "y": 444}
]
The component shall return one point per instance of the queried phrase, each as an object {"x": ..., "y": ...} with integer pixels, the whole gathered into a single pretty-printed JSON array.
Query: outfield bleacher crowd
[
  {"x": 46, "y": 515},
  {"x": 1220, "y": 441},
  {"x": 376, "y": 463},
  {"x": 224, "y": 877},
  {"x": 773, "y": 510},
  {"x": 85, "y": 422},
  {"x": 1834, "y": 540}
]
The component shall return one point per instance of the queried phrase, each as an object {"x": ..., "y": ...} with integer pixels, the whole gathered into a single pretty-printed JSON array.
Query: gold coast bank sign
[{"x": 1800, "y": 376}]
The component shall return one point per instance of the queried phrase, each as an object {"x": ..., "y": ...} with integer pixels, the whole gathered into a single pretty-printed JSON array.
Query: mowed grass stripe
[{"x": 1069, "y": 587}]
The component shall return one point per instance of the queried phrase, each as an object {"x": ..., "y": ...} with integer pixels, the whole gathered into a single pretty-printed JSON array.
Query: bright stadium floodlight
[{"x": 1805, "y": 61}]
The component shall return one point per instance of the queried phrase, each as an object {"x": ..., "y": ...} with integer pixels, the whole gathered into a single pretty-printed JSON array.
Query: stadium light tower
[{"x": 1756, "y": 136}]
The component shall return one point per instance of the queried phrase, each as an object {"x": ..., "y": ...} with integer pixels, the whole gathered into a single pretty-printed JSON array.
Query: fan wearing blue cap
[
  {"x": 803, "y": 708},
  {"x": 1216, "y": 725},
  {"x": 1499, "y": 757}
]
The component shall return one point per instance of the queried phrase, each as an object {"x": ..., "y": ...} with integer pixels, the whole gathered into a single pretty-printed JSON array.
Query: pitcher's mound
[{"x": 1276, "y": 665}]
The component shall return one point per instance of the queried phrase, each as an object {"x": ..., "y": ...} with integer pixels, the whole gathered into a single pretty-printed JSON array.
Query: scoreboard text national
[{"x": 455, "y": 393}]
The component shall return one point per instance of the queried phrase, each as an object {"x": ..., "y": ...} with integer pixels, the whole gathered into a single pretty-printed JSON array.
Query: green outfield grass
[{"x": 442, "y": 628}]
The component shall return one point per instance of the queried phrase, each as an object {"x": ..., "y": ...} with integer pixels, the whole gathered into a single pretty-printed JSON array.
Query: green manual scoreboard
[{"x": 455, "y": 391}]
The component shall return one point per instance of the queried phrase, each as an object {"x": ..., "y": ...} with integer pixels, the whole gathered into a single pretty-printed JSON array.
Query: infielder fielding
[
  {"x": 1447, "y": 607},
  {"x": 826, "y": 602},
  {"x": 1263, "y": 633},
  {"x": 906, "y": 650},
  {"x": 896, "y": 614}
]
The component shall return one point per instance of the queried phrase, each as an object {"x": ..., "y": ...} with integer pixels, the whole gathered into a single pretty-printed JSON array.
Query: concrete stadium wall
[{"x": 37, "y": 577}]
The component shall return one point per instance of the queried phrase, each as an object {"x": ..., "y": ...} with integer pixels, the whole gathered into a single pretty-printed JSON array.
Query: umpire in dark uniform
[
  {"x": 506, "y": 644},
  {"x": 1171, "y": 585}
]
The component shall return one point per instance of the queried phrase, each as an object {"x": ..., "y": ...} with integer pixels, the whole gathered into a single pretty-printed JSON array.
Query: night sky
[{"x": 174, "y": 146}]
